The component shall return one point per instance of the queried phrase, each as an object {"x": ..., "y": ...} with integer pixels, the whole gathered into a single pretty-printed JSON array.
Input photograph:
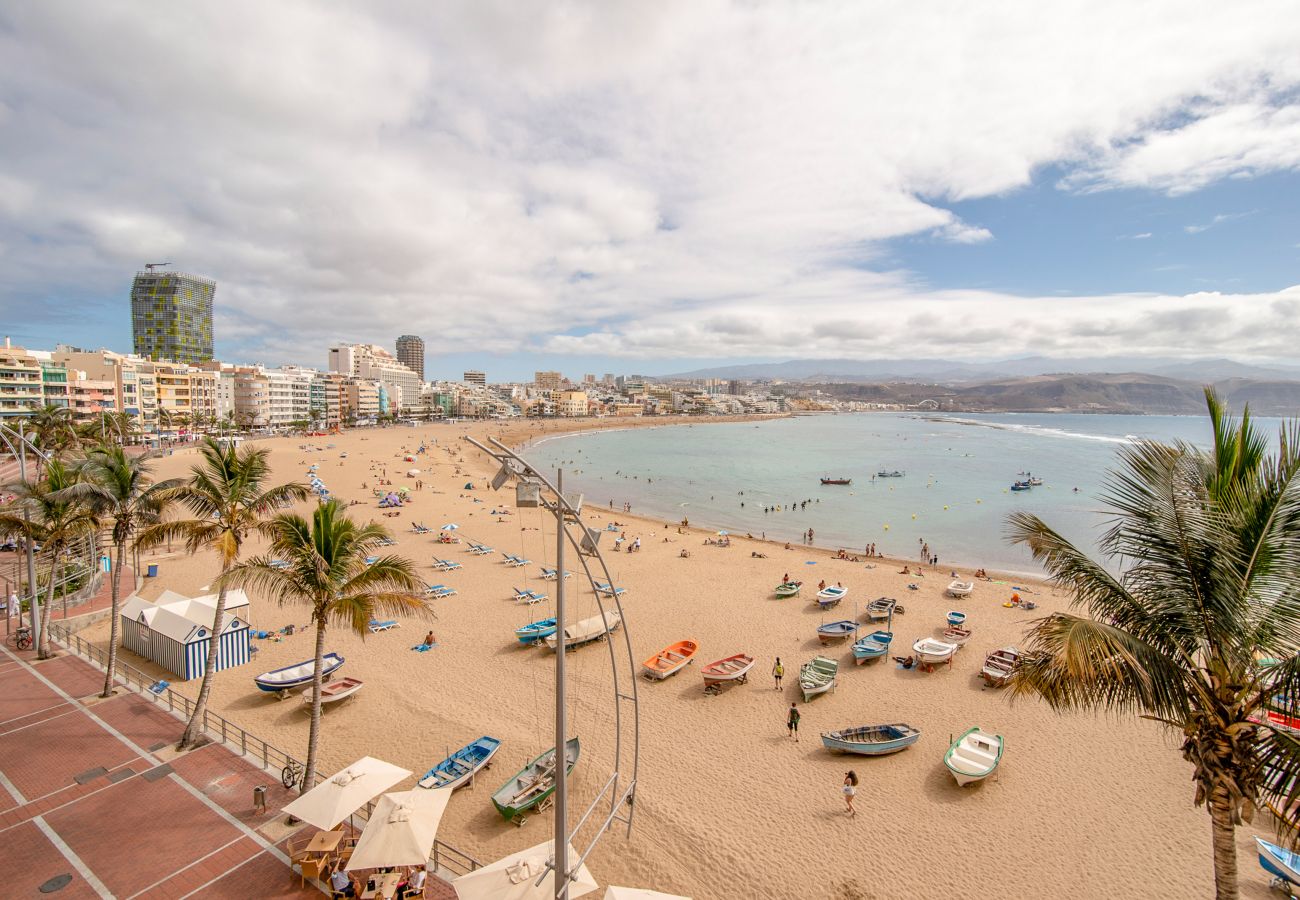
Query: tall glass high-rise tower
[{"x": 171, "y": 316}]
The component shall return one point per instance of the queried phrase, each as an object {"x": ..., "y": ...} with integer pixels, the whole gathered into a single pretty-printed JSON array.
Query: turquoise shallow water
[{"x": 955, "y": 494}]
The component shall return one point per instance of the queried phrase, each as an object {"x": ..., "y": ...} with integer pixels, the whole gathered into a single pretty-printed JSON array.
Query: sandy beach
[{"x": 727, "y": 804}]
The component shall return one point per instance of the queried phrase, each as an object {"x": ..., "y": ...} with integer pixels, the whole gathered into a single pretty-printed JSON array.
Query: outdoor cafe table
[
  {"x": 324, "y": 842},
  {"x": 382, "y": 887}
]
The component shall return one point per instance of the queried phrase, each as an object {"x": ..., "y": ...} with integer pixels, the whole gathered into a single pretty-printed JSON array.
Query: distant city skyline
[{"x": 700, "y": 191}]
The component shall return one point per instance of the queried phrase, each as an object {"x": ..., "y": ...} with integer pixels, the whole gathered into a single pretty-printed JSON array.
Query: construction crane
[{"x": 149, "y": 267}]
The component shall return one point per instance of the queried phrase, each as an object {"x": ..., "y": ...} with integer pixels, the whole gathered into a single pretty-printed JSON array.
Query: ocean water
[{"x": 955, "y": 494}]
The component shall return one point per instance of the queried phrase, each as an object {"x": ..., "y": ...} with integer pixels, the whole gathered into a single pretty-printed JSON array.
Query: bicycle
[
  {"x": 21, "y": 638},
  {"x": 292, "y": 774}
]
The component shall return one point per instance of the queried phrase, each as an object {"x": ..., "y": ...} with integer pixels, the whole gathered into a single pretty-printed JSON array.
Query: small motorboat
[
  {"x": 732, "y": 669},
  {"x": 837, "y": 481},
  {"x": 974, "y": 756},
  {"x": 955, "y": 634},
  {"x": 670, "y": 660},
  {"x": 533, "y": 783},
  {"x": 280, "y": 681},
  {"x": 536, "y": 631},
  {"x": 1034, "y": 481},
  {"x": 890, "y": 473},
  {"x": 333, "y": 691},
  {"x": 955, "y": 618},
  {"x": 817, "y": 676},
  {"x": 960, "y": 588},
  {"x": 931, "y": 651},
  {"x": 458, "y": 769},
  {"x": 873, "y": 646},
  {"x": 787, "y": 589},
  {"x": 831, "y": 596},
  {"x": 587, "y": 630},
  {"x": 882, "y": 608},
  {"x": 1282, "y": 864},
  {"x": 871, "y": 740},
  {"x": 999, "y": 666},
  {"x": 836, "y": 631},
  {"x": 1021, "y": 486}
]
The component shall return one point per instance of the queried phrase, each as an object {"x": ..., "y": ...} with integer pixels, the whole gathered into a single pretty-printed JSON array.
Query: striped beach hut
[{"x": 176, "y": 631}]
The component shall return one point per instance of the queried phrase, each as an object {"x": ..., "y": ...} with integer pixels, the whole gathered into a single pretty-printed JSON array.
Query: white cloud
[
  {"x": 682, "y": 178},
  {"x": 1138, "y": 237},
  {"x": 1217, "y": 220}
]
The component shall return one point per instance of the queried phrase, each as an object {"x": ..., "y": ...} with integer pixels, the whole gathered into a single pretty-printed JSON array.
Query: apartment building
[
  {"x": 548, "y": 381},
  {"x": 571, "y": 404},
  {"x": 373, "y": 363},
  {"x": 21, "y": 382}
]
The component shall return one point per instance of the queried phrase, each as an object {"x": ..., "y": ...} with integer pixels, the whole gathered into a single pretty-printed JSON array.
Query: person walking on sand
[
  {"x": 850, "y": 790},
  {"x": 792, "y": 722},
  {"x": 778, "y": 672}
]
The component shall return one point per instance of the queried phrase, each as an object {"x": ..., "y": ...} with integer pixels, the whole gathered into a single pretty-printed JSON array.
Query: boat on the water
[
  {"x": 836, "y": 631},
  {"x": 837, "y": 481},
  {"x": 974, "y": 756},
  {"x": 1034, "y": 481},
  {"x": 882, "y": 608},
  {"x": 1021, "y": 486},
  {"x": 286, "y": 678},
  {"x": 830, "y": 596},
  {"x": 333, "y": 691},
  {"x": 787, "y": 589},
  {"x": 585, "y": 631},
  {"x": 535, "y": 631},
  {"x": 932, "y": 651},
  {"x": 533, "y": 784},
  {"x": 817, "y": 676},
  {"x": 1282, "y": 864},
  {"x": 999, "y": 666},
  {"x": 732, "y": 668},
  {"x": 873, "y": 646},
  {"x": 458, "y": 769},
  {"x": 670, "y": 660},
  {"x": 960, "y": 588},
  {"x": 871, "y": 740},
  {"x": 890, "y": 473}
]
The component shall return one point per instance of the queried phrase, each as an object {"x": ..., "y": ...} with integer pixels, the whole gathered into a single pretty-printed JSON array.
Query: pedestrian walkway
[{"x": 103, "y": 598}]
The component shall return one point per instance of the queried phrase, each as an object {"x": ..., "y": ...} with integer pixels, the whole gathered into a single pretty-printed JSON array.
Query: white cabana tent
[
  {"x": 346, "y": 791},
  {"x": 614, "y": 892},
  {"x": 174, "y": 631},
  {"x": 401, "y": 830},
  {"x": 513, "y": 877}
]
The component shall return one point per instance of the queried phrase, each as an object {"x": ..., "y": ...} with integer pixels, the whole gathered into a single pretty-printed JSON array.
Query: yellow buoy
[
  {"x": 913, "y": 515},
  {"x": 886, "y": 527},
  {"x": 945, "y": 507}
]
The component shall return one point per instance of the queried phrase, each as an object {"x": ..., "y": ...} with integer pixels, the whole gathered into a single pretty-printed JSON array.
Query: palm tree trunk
[
  {"x": 1223, "y": 833},
  {"x": 43, "y": 652},
  {"x": 313, "y": 736},
  {"x": 194, "y": 728},
  {"x": 111, "y": 668}
]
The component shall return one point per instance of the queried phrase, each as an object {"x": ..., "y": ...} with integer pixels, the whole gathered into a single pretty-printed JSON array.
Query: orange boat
[{"x": 670, "y": 660}]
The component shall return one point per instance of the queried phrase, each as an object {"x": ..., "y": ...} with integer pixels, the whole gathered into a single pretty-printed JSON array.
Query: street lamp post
[{"x": 20, "y": 454}]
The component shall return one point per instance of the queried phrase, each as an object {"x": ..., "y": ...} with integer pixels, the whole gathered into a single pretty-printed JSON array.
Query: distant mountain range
[{"x": 941, "y": 371}]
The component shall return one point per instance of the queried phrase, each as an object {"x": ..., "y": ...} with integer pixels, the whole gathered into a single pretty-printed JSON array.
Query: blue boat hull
[
  {"x": 332, "y": 663},
  {"x": 1278, "y": 861},
  {"x": 885, "y": 739},
  {"x": 873, "y": 646},
  {"x": 457, "y": 769},
  {"x": 535, "y": 631}
]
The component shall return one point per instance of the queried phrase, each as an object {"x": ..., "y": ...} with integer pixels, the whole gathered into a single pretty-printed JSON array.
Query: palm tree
[
  {"x": 117, "y": 486},
  {"x": 53, "y": 429},
  {"x": 327, "y": 571},
  {"x": 1200, "y": 629},
  {"x": 56, "y": 521},
  {"x": 225, "y": 493}
]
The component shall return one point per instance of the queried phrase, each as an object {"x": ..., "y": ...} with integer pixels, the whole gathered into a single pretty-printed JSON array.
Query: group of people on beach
[{"x": 798, "y": 504}]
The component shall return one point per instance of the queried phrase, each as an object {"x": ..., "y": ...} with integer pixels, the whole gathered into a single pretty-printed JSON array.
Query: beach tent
[
  {"x": 513, "y": 877},
  {"x": 401, "y": 830},
  {"x": 625, "y": 893},
  {"x": 175, "y": 631},
  {"x": 342, "y": 794}
]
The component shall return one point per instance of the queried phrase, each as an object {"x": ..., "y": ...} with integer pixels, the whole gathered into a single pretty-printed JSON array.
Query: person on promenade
[
  {"x": 850, "y": 790},
  {"x": 778, "y": 672},
  {"x": 792, "y": 722}
]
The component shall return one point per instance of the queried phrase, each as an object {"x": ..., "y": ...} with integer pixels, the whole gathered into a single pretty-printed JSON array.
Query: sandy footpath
[{"x": 727, "y": 804}]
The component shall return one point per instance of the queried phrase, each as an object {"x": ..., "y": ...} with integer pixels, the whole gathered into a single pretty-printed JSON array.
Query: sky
[{"x": 655, "y": 187}]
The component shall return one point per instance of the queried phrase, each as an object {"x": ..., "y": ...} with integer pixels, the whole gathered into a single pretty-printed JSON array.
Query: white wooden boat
[
  {"x": 974, "y": 756},
  {"x": 830, "y": 596},
  {"x": 955, "y": 634},
  {"x": 999, "y": 665},
  {"x": 287, "y": 678},
  {"x": 1281, "y": 863},
  {"x": 960, "y": 588},
  {"x": 334, "y": 691},
  {"x": 587, "y": 630},
  {"x": 881, "y": 608},
  {"x": 932, "y": 651},
  {"x": 732, "y": 668},
  {"x": 817, "y": 676},
  {"x": 871, "y": 740},
  {"x": 459, "y": 769}
]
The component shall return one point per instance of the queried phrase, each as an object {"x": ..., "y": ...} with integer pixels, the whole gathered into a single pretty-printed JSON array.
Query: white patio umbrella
[
  {"x": 412, "y": 472},
  {"x": 512, "y": 878},
  {"x": 450, "y": 526},
  {"x": 625, "y": 893},
  {"x": 401, "y": 830},
  {"x": 342, "y": 794}
]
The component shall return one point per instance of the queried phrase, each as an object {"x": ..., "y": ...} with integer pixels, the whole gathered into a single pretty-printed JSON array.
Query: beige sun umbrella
[
  {"x": 513, "y": 877},
  {"x": 401, "y": 830},
  {"x": 625, "y": 893},
  {"x": 342, "y": 794}
]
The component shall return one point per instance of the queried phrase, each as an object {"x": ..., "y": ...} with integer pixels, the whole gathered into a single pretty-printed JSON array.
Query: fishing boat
[
  {"x": 333, "y": 691},
  {"x": 873, "y": 646},
  {"x": 586, "y": 630},
  {"x": 1020, "y": 486},
  {"x": 458, "y": 769},
  {"x": 955, "y": 634},
  {"x": 787, "y": 589},
  {"x": 974, "y": 756},
  {"x": 817, "y": 676},
  {"x": 881, "y": 608},
  {"x": 960, "y": 588},
  {"x": 732, "y": 668},
  {"x": 890, "y": 473},
  {"x": 871, "y": 740},
  {"x": 955, "y": 618},
  {"x": 837, "y": 481},
  {"x": 286, "y": 678},
  {"x": 536, "y": 631},
  {"x": 931, "y": 651},
  {"x": 830, "y": 596},
  {"x": 1034, "y": 481},
  {"x": 1282, "y": 864},
  {"x": 836, "y": 631},
  {"x": 999, "y": 665},
  {"x": 534, "y": 783},
  {"x": 670, "y": 660}
]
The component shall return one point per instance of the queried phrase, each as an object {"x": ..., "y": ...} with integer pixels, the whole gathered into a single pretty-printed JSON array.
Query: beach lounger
[
  {"x": 377, "y": 626},
  {"x": 371, "y": 560},
  {"x": 604, "y": 588},
  {"x": 158, "y": 687},
  {"x": 386, "y": 542},
  {"x": 528, "y": 597},
  {"x": 480, "y": 550},
  {"x": 550, "y": 574},
  {"x": 279, "y": 564},
  {"x": 439, "y": 590},
  {"x": 518, "y": 563},
  {"x": 445, "y": 565}
]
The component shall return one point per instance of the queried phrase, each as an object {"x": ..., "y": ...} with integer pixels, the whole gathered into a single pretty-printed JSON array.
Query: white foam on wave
[{"x": 1044, "y": 431}]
